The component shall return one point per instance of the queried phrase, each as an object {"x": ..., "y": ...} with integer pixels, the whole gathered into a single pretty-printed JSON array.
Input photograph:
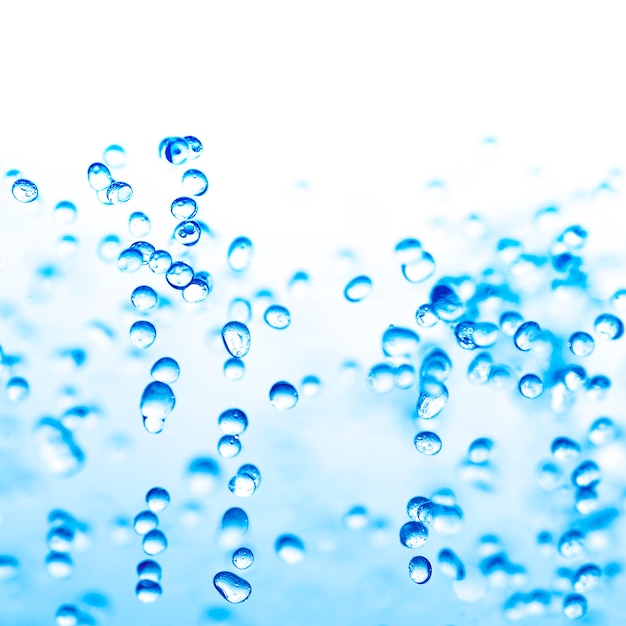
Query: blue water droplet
[
  {"x": 160, "y": 261},
  {"x": 99, "y": 176},
  {"x": 437, "y": 365},
  {"x": 283, "y": 396},
  {"x": 413, "y": 535},
  {"x": 184, "y": 208},
  {"x": 311, "y": 386},
  {"x": 242, "y": 484},
  {"x": 408, "y": 251},
  {"x": 571, "y": 544},
  {"x": 240, "y": 310},
  {"x": 17, "y": 389},
  {"x": 59, "y": 564},
  {"x": 531, "y": 386},
  {"x": 480, "y": 450},
  {"x": 586, "y": 474},
  {"x": 574, "y": 606},
  {"x": 65, "y": 212},
  {"x": 432, "y": 399},
  {"x": 232, "y": 587},
  {"x": 608, "y": 326},
  {"x": 139, "y": 224},
  {"x": 398, "y": 341},
  {"x": 198, "y": 289},
  {"x": 145, "y": 248},
  {"x": 526, "y": 335},
  {"x": 148, "y": 591},
  {"x": 240, "y": 254},
  {"x": 233, "y": 421},
  {"x": 149, "y": 570},
  {"x": 479, "y": 369},
  {"x": 157, "y": 499},
  {"x": 404, "y": 376},
  {"x": 419, "y": 270},
  {"x": 420, "y": 569},
  {"x": 380, "y": 378},
  {"x": 289, "y": 549},
  {"x": 450, "y": 564},
  {"x": 234, "y": 369},
  {"x": 174, "y": 149},
  {"x": 187, "y": 233},
  {"x": 229, "y": 446},
  {"x": 144, "y": 298},
  {"x": 142, "y": 334},
  {"x": 426, "y": 316},
  {"x": 157, "y": 402},
  {"x": 154, "y": 542},
  {"x": 236, "y": 337},
  {"x": 144, "y": 522},
  {"x": 195, "y": 146},
  {"x": 581, "y": 344},
  {"x": 243, "y": 558},
  {"x": 165, "y": 370},
  {"x": 119, "y": 192},
  {"x": 114, "y": 156},
  {"x": 179, "y": 275},
  {"x": 509, "y": 322},
  {"x": 358, "y": 289},
  {"x": 602, "y": 431},
  {"x": 195, "y": 182},
  {"x": 427, "y": 443},
  {"x": 587, "y": 577},
  {"x": 129, "y": 260},
  {"x": 24, "y": 190},
  {"x": 277, "y": 317},
  {"x": 445, "y": 303}
]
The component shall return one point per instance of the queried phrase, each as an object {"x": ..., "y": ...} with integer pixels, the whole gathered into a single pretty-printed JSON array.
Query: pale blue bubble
[
  {"x": 426, "y": 316},
  {"x": 144, "y": 522},
  {"x": 59, "y": 564},
  {"x": 586, "y": 474},
  {"x": 602, "y": 431},
  {"x": 114, "y": 156},
  {"x": 99, "y": 176},
  {"x": 231, "y": 587},
  {"x": 311, "y": 386},
  {"x": 398, "y": 341},
  {"x": 17, "y": 389},
  {"x": 154, "y": 542},
  {"x": 195, "y": 182},
  {"x": 198, "y": 289},
  {"x": 565, "y": 449},
  {"x": 445, "y": 303},
  {"x": 283, "y": 396},
  {"x": 419, "y": 270},
  {"x": 240, "y": 310},
  {"x": 510, "y": 321},
  {"x": 240, "y": 254},
  {"x": 234, "y": 369},
  {"x": 235, "y": 520},
  {"x": 450, "y": 564},
  {"x": 432, "y": 399},
  {"x": 289, "y": 549},
  {"x": 144, "y": 298},
  {"x": 157, "y": 499},
  {"x": 187, "y": 233},
  {"x": 581, "y": 344},
  {"x": 165, "y": 370},
  {"x": 408, "y": 251},
  {"x": 184, "y": 208},
  {"x": 587, "y": 577},
  {"x": 480, "y": 450},
  {"x": 427, "y": 443},
  {"x": 574, "y": 606},
  {"x": 277, "y": 317},
  {"x": 179, "y": 275},
  {"x": 501, "y": 377},
  {"x": 531, "y": 386},
  {"x": 404, "y": 376},
  {"x": 356, "y": 518},
  {"x": 119, "y": 192},
  {"x": 380, "y": 378},
  {"x": 236, "y": 338},
  {"x": 60, "y": 538},
  {"x": 160, "y": 261},
  {"x": 142, "y": 334},
  {"x": 157, "y": 402},
  {"x": 358, "y": 289},
  {"x": 526, "y": 334},
  {"x": 129, "y": 260},
  {"x": 65, "y": 212},
  {"x": 413, "y": 535},
  {"x": 139, "y": 224},
  {"x": 233, "y": 421},
  {"x": 243, "y": 558},
  {"x": 420, "y": 569},
  {"x": 174, "y": 149},
  {"x": 109, "y": 248},
  {"x": 608, "y": 326},
  {"x": 242, "y": 485},
  {"x": 145, "y": 248},
  {"x": 436, "y": 365},
  {"x": 571, "y": 544},
  {"x": 24, "y": 190},
  {"x": 229, "y": 446},
  {"x": 299, "y": 284},
  {"x": 149, "y": 570}
]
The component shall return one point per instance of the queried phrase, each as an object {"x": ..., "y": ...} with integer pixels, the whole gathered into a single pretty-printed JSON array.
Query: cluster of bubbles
[
  {"x": 108, "y": 190},
  {"x": 65, "y": 533},
  {"x": 158, "y": 400}
]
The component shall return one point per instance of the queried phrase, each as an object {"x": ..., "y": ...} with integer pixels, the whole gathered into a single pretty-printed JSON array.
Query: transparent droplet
[
  {"x": 236, "y": 337},
  {"x": 283, "y": 396},
  {"x": 65, "y": 212},
  {"x": 311, "y": 386},
  {"x": 413, "y": 535},
  {"x": 229, "y": 446},
  {"x": 608, "y": 326},
  {"x": 549, "y": 476},
  {"x": 99, "y": 176},
  {"x": 148, "y": 591},
  {"x": 419, "y": 270},
  {"x": 119, "y": 192},
  {"x": 187, "y": 233},
  {"x": 408, "y": 251},
  {"x": 184, "y": 208},
  {"x": 380, "y": 378},
  {"x": 154, "y": 542},
  {"x": 573, "y": 376},
  {"x": 145, "y": 248},
  {"x": 420, "y": 569},
  {"x": 234, "y": 369},
  {"x": 160, "y": 261},
  {"x": 501, "y": 377},
  {"x": 480, "y": 450},
  {"x": 157, "y": 499},
  {"x": 17, "y": 389},
  {"x": 115, "y": 156},
  {"x": 149, "y": 570},
  {"x": 240, "y": 310},
  {"x": 413, "y": 507},
  {"x": 240, "y": 254},
  {"x": 232, "y": 587},
  {"x": 197, "y": 290},
  {"x": 531, "y": 386},
  {"x": 426, "y": 316},
  {"x": 235, "y": 524},
  {"x": 277, "y": 317},
  {"x": 129, "y": 260},
  {"x": 289, "y": 549},
  {"x": 427, "y": 443},
  {"x": 398, "y": 341},
  {"x": 571, "y": 544},
  {"x": 447, "y": 520},
  {"x": 299, "y": 284},
  {"x": 356, "y": 518},
  {"x": 432, "y": 399},
  {"x": 157, "y": 402},
  {"x": 139, "y": 224},
  {"x": 142, "y": 334},
  {"x": 574, "y": 606},
  {"x": 144, "y": 298},
  {"x": 195, "y": 182},
  {"x": 242, "y": 485},
  {"x": 195, "y": 146},
  {"x": 450, "y": 564},
  {"x": 526, "y": 335},
  {"x": 436, "y": 365},
  {"x": 57, "y": 448},
  {"x": 581, "y": 344},
  {"x": 165, "y": 370},
  {"x": 464, "y": 333},
  {"x": 144, "y": 522},
  {"x": 586, "y": 474},
  {"x": 602, "y": 431},
  {"x": 174, "y": 149},
  {"x": 179, "y": 275},
  {"x": 510, "y": 321},
  {"x": 243, "y": 558},
  {"x": 404, "y": 376},
  {"x": 358, "y": 289},
  {"x": 233, "y": 421},
  {"x": 445, "y": 303},
  {"x": 59, "y": 564}
]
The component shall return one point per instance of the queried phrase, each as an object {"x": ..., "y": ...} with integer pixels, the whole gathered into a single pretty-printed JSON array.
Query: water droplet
[
  {"x": 283, "y": 395},
  {"x": 129, "y": 260},
  {"x": 531, "y": 386},
  {"x": 65, "y": 212},
  {"x": 571, "y": 544},
  {"x": 608, "y": 326},
  {"x": 432, "y": 399},
  {"x": 408, "y": 251},
  {"x": 446, "y": 520},
  {"x": 602, "y": 431},
  {"x": 413, "y": 507},
  {"x": 510, "y": 321},
  {"x": 419, "y": 270},
  {"x": 144, "y": 298},
  {"x": 277, "y": 317},
  {"x": 60, "y": 538},
  {"x": 115, "y": 156},
  {"x": 232, "y": 587},
  {"x": 119, "y": 192},
  {"x": 501, "y": 377},
  {"x": 436, "y": 365},
  {"x": 236, "y": 337},
  {"x": 165, "y": 370},
  {"x": 17, "y": 389},
  {"x": 420, "y": 569},
  {"x": 243, "y": 558},
  {"x": 240, "y": 254},
  {"x": 146, "y": 249},
  {"x": 198, "y": 289},
  {"x": 142, "y": 334},
  {"x": 234, "y": 369},
  {"x": 413, "y": 535},
  {"x": 240, "y": 310},
  {"x": 187, "y": 233},
  {"x": 234, "y": 524},
  {"x": 139, "y": 224},
  {"x": 184, "y": 208},
  {"x": 233, "y": 421},
  {"x": 179, "y": 275},
  {"x": 445, "y": 303},
  {"x": 99, "y": 176},
  {"x": 160, "y": 261},
  {"x": 144, "y": 522},
  {"x": 311, "y": 386},
  {"x": 154, "y": 542},
  {"x": 380, "y": 378},
  {"x": 581, "y": 344},
  {"x": 289, "y": 549},
  {"x": 549, "y": 476},
  {"x": 157, "y": 499},
  {"x": 426, "y": 316},
  {"x": 148, "y": 591},
  {"x": 242, "y": 485},
  {"x": 149, "y": 570},
  {"x": 574, "y": 606},
  {"x": 356, "y": 518},
  {"x": 157, "y": 402},
  {"x": 358, "y": 289},
  {"x": 450, "y": 564},
  {"x": 299, "y": 284},
  {"x": 229, "y": 446},
  {"x": 404, "y": 376},
  {"x": 480, "y": 450},
  {"x": 57, "y": 448},
  {"x": 194, "y": 145},
  {"x": 174, "y": 149},
  {"x": 24, "y": 190},
  {"x": 59, "y": 564},
  {"x": 427, "y": 443},
  {"x": 526, "y": 335},
  {"x": 586, "y": 474},
  {"x": 195, "y": 182},
  {"x": 398, "y": 341}
]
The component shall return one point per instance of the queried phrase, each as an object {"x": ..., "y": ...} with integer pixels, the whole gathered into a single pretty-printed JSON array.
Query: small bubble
[
  {"x": 139, "y": 224},
  {"x": 142, "y": 334},
  {"x": 530, "y": 386},
  {"x": 17, "y": 389},
  {"x": 564, "y": 449},
  {"x": 235, "y": 522},
  {"x": 277, "y": 317},
  {"x": 148, "y": 591},
  {"x": 509, "y": 322},
  {"x": 194, "y": 145},
  {"x": 165, "y": 370},
  {"x": 59, "y": 565},
  {"x": 450, "y": 564},
  {"x": 413, "y": 535},
  {"x": 160, "y": 261},
  {"x": 154, "y": 542},
  {"x": 437, "y": 365},
  {"x": 149, "y": 570},
  {"x": 356, "y": 518},
  {"x": 526, "y": 335},
  {"x": 571, "y": 544},
  {"x": 179, "y": 275},
  {"x": 232, "y": 587},
  {"x": 446, "y": 303},
  {"x": 413, "y": 507},
  {"x": 479, "y": 369},
  {"x": 174, "y": 149},
  {"x": 608, "y": 326},
  {"x": 398, "y": 341},
  {"x": 119, "y": 192},
  {"x": 242, "y": 485},
  {"x": 581, "y": 344},
  {"x": 240, "y": 254},
  {"x": 187, "y": 233},
  {"x": 240, "y": 310},
  {"x": 115, "y": 156},
  {"x": 184, "y": 208},
  {"x": 157, "y": 499},
  {"x": 432, "y": 399},
  {"x": 549, "y": 476},
  {"x": 229, "y": 446},
  {"x": 574, "y": 606},
  {"x": 419, "y": 270},
  {"x": 99, "y": 176},
  {"x": 233, "y": 421},
  {"x": 283, "y": 396},
  {"x": 602, "y": 431},
  {"x": 129, "y": 260},
  {"x": 144, "y": 298},
  {"x": 236, "y": 337},
  {"x": 65, "y": 212},
  {"x": 289, "y": 549},
  {"x": 195, "y": 182},
  {"x": 311, "y": 386},
  {"x": 426, "y": 316},
  {"x": 243, "y": 558},
  {"x": 404, "y": 376},
  {"x": 234, "y": 369},
  {"x": 427, "y": 443},
  {"x": 420, "y": 569},
  {"x": 144, "y": 522},
  {"x": 358, "y": 289},
  {"x": 501, "y": 377},
  {"x": 197, "y": 290},
  {"x": 586, "y": 474},
  {"x": 70, "y": 615},
  {"x": 380, "y": 378},
  {"x": 408, "y": 251}
]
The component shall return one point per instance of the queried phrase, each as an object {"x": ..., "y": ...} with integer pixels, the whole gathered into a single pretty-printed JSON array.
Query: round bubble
[
  {"x": 311, "y": 386},
  {"x": 174, "y": 149},
  {"x": 277, "y": 317},
  {"x": 142, "y": 334},
  {"x": 160, "y": 261},
  {"x": 60, "y": 538},
  {"x": 426, "y": 316},
  {"x": 413, "y": 535},
  {"x": 129, "y": 260},
  {"x": 432, "y": 399},
  {"x": 65, "y": 212},
  {"x": 586, "y": 474},
  {"x": 99, "y": 176},
  {"x": 240, "y": 254},
  {"x": 144, "y": 298},
  {"x": 602, "y": 431},
  {"x": 165, "y": 370},
  {"x": 358, "y": 289},
  {"x": 148, "y": 591},
  {"x": 581, "y": 344},
  {"x": 408, "y": 251},
  {"x": 240, "y": 310},
  {"x": 398, "y": 341},
  {"x": 195, "y": 182},
  {"x": 119, "y": 192},
  {"x": 509, "y": 322},
  {"x": 157, "y": 402},
  {"x": 289, "y": 549},
  {"x": 427, "y": 443},
  {"x": 571, "y": 544},
  {"x": 420, "y": 270},
  {"x": 574, "y": 606},
  {"x": 139, "y": 224},
  {"x": 184, "y": 208},
  {"x": 242, "y": 485},
  {"x": 59, "y": 564},
  {"x": 194, "y": 145},
  {"x": 146, "y": 249},
  {"x": 144, "y": 522},
  {"x": 480, "y": 450},
  {"x": 231, "y": 587},
  {"x": 243, "y": 558},
  {"x": 608, "y": 326},
  {"x": 356, "y": 518},
  {"x": 17, "y": 389},
  {"x": 233, "y": 421},
  {"x": 380, "y": 378},
  {"x": 157, "y": 499},
  {"x": 234, "y": 369},
  {"x": 109, "y": 249},
  {"x": 283, "y": 396},
  {"x": 420, "y": 569},
  {"x": 229, "y": 446},
  {"x": 530, "y": 386},
  {"x": 413, "y": 507},
  {"x": 179, "y": 275},
  {"x": 196, "y": 291},
  {"x": 154, "y": 542},
  {"x": 526, "y": 335},
  {"x": 114, "y": 156},
  {"x": 187, "y": 233}
]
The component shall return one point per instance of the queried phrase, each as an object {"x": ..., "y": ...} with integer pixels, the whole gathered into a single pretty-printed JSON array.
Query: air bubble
[
  {"x": 184, "y": 208},
  {"x": 194, "y": 145},
  {"x": 419, "y": 270},
  {"x": 283, "y": 396},
  {"x": 564, "y": 449},
  {"x": 129, "y": 260},
  {"x": 311, "y": 386},
  {"x": 240, "y": 254},
  {"x": 157, "y": 499},
  {"x": 174, "y": 149},
  {"x": 571, "y": 544},
  {"x": 289, "y": 549},
  {"x": 139, "y": 224},
  {"x": 602, "y": 431},
  {"x": 142, "y": 334},
  {"x": 427, "y": 443},
  {"x": 432, "y": 399},
  {"x": 114, "y": 156},
  {"x": 480, "y": 450},
  {"x": 195, "y": 182},
  {"x": 119, "y": 192},
  {"x": 144, "y": 522},
  {"x": 608, "y": 326},
  {"x": 413, "y": 535},
  {"x": 165, "y": 370},
  {"x": 526, "y": 335},
  {"x": 144, "y": 298},
  {"x": 236, "y": 337},
  {"x": 160, "y": 261},
  {"x": 380, "y": 378},
  {"x": 510, "y": 321},
  {"x": 243, "y": 558},
  {"x": 530, "y": 386},
  {"x": 18, "y": 389},
  {"x": 574, "y": 606},
  {"x": 358, "y": 289},
  {"x": 240, "y": 310},
  {"x": 426, "y": 316},
  {"x": 231, "y": 587},
  {"x": 277, "y": 317},
  {"x": 154, "y": 543},
  {"x": 581, "y": 344},
  {"x": 157, "y": 402},
  {"x": 229, "y": 446},
  {"x": 197, "y": 290},
  {"x": 586, "y": 474},
  {"x": 59, "y": 564},
  {"x": 148, "y": 591},
  {"x": 234, "y": 369},
  {"x": 99, "y": 176},
  {"x": 65, "y": 212},
  {"x": 179, "y": 275},
  {"x": 408, "y": 251},
  {"x": 398, "y": 341},
  {"x": 420, "y": 569},
  {"x": 233, "y": 421}
]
